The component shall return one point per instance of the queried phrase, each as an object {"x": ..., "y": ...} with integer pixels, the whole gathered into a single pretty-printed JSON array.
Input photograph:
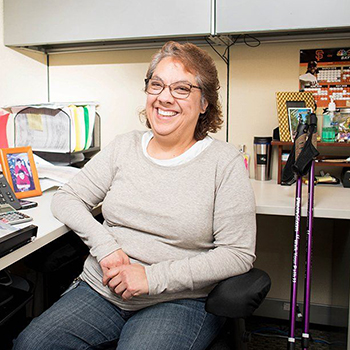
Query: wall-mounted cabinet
[
  {"x": 75, "y": 25},
  {"x": 43, "y": 22},
  {"x": 255, "y": 16}
]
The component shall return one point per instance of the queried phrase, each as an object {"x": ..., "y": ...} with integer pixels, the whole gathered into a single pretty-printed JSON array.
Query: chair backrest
[{"x": 239, "y": 296}]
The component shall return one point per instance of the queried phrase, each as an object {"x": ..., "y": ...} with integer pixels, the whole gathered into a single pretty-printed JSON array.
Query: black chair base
[{"x": 232, "y": 336}]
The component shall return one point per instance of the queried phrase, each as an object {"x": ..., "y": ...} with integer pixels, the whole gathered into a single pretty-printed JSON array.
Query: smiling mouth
[{"x": 166, "y": 114}]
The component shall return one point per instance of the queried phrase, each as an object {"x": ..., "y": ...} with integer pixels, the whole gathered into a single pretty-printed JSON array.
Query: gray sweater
[{"x": 190, "y": 225}]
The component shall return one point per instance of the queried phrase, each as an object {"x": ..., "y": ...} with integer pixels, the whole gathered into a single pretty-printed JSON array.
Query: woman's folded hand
[
  {"x": 111, "y": 261},
  {"x": 128, "y": 280}
]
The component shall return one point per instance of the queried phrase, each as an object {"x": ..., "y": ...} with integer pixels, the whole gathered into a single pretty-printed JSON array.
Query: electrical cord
[
  {"x": 224, "y": 58},
  {"x": 251, "y": 37},
  {"x": 224, "y": 55}
]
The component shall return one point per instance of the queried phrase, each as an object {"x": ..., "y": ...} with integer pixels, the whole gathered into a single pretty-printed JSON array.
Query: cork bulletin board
[{"x": 306, "y": 99}]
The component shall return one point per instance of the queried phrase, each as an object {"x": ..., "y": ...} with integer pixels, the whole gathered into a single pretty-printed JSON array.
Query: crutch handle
[
  {"x": 300, "y": 138},
  {"x": 313, "y": 129}
]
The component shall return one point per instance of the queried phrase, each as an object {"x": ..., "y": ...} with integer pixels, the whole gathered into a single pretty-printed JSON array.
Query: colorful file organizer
[{"x": 57, "y": 128}]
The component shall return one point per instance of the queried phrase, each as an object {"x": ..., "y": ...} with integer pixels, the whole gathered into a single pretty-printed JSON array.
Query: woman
[{"x": 179, "y": 217}]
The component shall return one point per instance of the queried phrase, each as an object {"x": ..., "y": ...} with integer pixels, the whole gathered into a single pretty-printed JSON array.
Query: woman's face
[{"x": 171, "y": 118}]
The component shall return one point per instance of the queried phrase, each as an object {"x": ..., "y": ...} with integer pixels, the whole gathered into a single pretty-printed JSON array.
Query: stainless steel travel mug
[{"x": 262, "y": 158}]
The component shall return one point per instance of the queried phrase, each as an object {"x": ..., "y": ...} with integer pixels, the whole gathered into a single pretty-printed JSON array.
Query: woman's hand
[
  {"x": 128, "y": 280},
  {"x": 111, "y": 261}
]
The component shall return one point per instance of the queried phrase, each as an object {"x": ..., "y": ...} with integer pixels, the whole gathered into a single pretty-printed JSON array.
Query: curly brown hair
[{"x": 199, "y": 63}]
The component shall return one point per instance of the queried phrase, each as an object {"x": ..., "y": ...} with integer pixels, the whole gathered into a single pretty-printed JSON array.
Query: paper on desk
[
  {"x": 41, "y": 162},
  {"x": 53, "y": 175},
  {"x": 60, "y": 174},
  {"x": 46, "y": 184},
  {"x": 6, "y": 229}
]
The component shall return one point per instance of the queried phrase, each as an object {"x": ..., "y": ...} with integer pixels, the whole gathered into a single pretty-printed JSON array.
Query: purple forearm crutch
[
  {"x": 298, "y": 146},
  {"x": 308, "y": 263},
  {"x": 305, "y": 153},
  {"x": 310, "y": 215},
  {"x": 294, "y": 284}
]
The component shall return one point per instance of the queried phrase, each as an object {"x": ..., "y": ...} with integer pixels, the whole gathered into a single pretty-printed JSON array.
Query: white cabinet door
[
  {"x": 249, "y": 16},
  {"x": 40, "y": 22}
]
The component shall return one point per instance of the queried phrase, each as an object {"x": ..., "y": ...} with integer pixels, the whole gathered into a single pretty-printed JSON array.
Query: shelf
[{"x": 281, "y": 145}]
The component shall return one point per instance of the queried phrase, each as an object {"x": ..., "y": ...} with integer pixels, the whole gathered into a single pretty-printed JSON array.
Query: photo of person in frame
[
  {"x": 309, "y": 79},
  {"x": 21, "y": 173},
  {"x": 295, "y": 115},
  {"x": 22, "y": 181}
]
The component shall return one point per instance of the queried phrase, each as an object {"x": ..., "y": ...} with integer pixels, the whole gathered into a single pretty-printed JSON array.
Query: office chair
[{"x": 236, "y": 298}]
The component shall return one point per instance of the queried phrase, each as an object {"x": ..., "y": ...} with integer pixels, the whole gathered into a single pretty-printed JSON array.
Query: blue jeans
[{"x": 83, "y": 319}]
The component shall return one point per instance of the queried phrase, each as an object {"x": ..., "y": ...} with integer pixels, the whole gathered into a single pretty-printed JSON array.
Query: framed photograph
[
  {"x": 19, "y": 169},
  {"x": 296, "y": 114},
  {"x": 291, "y": 99}
]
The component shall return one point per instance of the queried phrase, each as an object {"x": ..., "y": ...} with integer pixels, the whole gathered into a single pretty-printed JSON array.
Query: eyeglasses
[{"x": 179, "y": 89}]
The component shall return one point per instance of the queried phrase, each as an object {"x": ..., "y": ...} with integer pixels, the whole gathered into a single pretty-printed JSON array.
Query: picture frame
[
  {"x": 294, "y": 115},
  {"x": 291, "y": 99},
  {"x": 19, "y": 169}
]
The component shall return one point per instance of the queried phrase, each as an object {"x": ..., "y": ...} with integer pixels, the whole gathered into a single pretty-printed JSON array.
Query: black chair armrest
[{"x": 239, "y": 296}]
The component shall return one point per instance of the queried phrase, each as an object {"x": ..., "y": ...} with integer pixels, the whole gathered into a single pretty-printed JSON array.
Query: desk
[
  {"x": 49, "y": 229},
  {"x": 331, "y": 202},
  {"x": 271, "y": 199}
]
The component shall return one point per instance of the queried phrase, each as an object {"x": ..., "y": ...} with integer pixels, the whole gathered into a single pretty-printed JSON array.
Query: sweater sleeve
[
  {"x": 72, "y": 204},
  {"x": 234, "y": 235}
]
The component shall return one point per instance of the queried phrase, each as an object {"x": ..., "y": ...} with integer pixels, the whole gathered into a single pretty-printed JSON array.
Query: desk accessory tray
[{"x": 17, "y": 239}]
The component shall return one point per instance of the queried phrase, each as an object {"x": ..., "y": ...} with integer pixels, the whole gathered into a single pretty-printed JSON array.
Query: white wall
[{"x": 22, "y": 75}]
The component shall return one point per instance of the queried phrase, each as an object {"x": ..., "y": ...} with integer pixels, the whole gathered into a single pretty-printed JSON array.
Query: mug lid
[{"x": 262, "y": 139}]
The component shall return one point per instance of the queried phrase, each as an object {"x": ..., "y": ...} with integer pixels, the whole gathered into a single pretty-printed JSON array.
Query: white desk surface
[
  {"x": 330, "y": 201},
  {"x": 48, "y": 229},
  {"x": 271, "y": 199}
]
